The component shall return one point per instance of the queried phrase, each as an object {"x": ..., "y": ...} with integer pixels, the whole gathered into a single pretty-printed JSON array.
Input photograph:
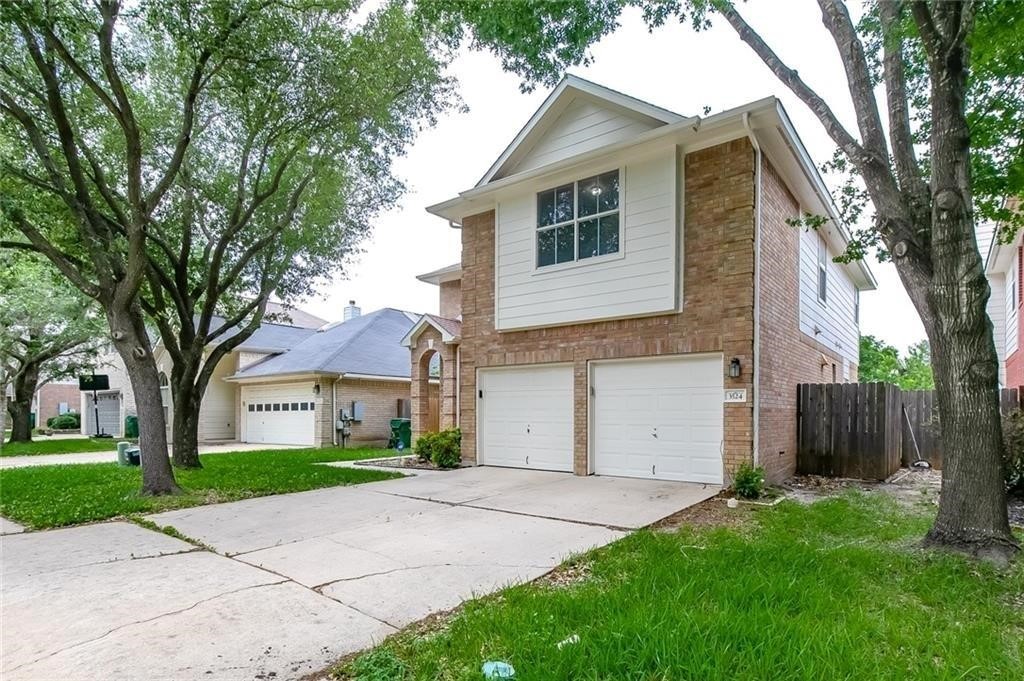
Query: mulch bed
[{"x": 402, "y": 462}]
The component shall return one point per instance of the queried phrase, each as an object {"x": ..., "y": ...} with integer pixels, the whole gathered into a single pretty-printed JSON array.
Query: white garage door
[
  {"x": 282, "y": 415},
  {"x": 526, "y": 417},
  {"x": 660, "y": 418},
  {"x": 109, "y": 407}
]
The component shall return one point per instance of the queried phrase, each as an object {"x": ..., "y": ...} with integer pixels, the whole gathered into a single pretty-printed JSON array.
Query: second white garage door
[
  {"x": 526, "y": 417},
  {"x": 659, "y": 418},
  {"x": 281, "y": 415}
]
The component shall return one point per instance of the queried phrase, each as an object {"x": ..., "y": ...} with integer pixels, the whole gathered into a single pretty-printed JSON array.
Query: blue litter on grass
[{"x": 498, "y": 670}]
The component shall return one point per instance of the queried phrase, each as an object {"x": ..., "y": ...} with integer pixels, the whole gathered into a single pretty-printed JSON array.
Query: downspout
[
  {"x": 334, "y": 411},
  {"x": 458, "y": 385},
  {"x": 757, "y": 284}
]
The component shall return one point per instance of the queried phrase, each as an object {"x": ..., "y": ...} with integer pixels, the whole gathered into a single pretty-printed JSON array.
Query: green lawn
[
  {"x": 51, "y": 496},
  {"x": 45, "y": 445},
  {"x": 837, "y": 590}
]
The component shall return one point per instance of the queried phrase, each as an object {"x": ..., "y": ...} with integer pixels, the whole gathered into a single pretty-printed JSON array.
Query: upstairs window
[
  {"x": 822, "y": 269},
  {"x": 579, "y": 220}
]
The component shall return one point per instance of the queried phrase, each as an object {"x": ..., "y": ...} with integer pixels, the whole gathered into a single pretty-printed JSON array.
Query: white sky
[{"x": 674, "y": 68}]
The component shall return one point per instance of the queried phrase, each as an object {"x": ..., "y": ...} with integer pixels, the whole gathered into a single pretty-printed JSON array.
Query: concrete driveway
[{"x": 295, "y": 581}]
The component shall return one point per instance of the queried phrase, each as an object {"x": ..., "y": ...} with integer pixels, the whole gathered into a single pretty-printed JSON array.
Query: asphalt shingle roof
[
  {"x": 270, "y": 337},
  {"x": 369, "y": 344}
]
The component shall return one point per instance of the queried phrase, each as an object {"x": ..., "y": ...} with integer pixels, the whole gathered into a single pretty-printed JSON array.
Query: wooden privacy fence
[{"x": 868, "y": 430}]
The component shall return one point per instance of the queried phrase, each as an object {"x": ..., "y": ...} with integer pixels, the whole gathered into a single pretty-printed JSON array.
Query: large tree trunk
[
  {"x": 185, "y": 451},
  {"x": 132, "y": 344},
  {"x": 25, "y": 383},
  {"x": 972, "y": 513}
]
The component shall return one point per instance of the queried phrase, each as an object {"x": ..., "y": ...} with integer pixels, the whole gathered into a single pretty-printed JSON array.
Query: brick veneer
[
  {"x": 717, "y": 311},
  {"x": 427, "y": 344},
  {"x": 380, "y": 401},
  {"x": 788, "y": 357},
  {"x": 49, "y": 397},
  {"x": 450, "y": 295}
]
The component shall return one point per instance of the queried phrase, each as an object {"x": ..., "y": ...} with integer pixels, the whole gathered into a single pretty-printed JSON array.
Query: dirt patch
[
  {"x": 401, "y": 462},
  {"x": 711, "y": 512}
]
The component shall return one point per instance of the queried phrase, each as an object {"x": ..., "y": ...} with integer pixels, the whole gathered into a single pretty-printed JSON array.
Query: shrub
[
  {"x": 1013, "y": 438},
  {"x": 68, "y": 421},
  {"x": 444, "y": 449},
  {"x": 748, "y": 481}
]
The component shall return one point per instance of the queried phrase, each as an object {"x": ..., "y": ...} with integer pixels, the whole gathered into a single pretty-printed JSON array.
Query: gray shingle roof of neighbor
[
  {"x": 369, "y": 344},
  {"x": 270, "y": 337}
]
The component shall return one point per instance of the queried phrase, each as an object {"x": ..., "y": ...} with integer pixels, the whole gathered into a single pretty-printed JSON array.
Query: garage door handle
[
  {"x": 527, "y": 428},
  {"x": 654, "y": 434}
]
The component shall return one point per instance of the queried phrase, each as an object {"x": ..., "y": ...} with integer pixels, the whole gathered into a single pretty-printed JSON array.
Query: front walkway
[
  {"x": 107, "y": 457},
  {"x": 295, "y": 581}
]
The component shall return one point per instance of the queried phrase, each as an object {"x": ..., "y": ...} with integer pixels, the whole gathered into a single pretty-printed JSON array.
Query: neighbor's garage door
[
  {"x": 109, "y": 407},
  {"x": 280, "y": 415},
  {"x": 526, "y": 417},
  {"x": 660, "y": 418}
]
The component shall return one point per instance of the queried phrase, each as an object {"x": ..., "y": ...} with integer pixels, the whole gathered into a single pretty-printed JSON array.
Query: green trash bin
[
  {"x": 401, "y": 434},
  {"x": 131, "y": 426}
]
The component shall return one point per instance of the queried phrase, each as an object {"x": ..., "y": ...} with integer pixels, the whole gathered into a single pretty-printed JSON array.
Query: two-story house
[{"x": 631, "y": 299}]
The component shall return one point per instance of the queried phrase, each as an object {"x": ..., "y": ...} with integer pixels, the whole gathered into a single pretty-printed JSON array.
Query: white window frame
[
  {"x": 575, "y": 222},
  {"x": 821, "y": 284},
  {"x": 856, "y": 305}
]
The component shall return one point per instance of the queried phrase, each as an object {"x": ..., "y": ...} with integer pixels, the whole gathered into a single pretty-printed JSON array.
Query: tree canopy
[{"x": 881, "y": 363}]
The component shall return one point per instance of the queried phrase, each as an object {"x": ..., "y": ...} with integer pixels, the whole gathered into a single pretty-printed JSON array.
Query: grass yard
[
  {"x": 52, "y": 496},
  {"x": 45, "y": 445},
  {"x": 836, "y": 590}
]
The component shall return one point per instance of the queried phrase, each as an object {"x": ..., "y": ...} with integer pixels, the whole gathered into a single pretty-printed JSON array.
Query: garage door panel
[
  {"x": 526, "y": 417},
  {"x": 671, "y": 412},
  {"x": 270, "y": 419}
]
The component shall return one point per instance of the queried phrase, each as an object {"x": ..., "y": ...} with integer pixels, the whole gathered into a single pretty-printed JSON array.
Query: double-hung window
[{"x": 578, "y": 220}]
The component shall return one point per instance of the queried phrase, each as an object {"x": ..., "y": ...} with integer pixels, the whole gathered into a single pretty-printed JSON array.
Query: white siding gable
[
  {"x": 997, "y": 313},
  {"x": 833, "y": 322},
  {"x": 1010, "y": 293},
  {"x": 584, "y": 125},
  {"x": 640, "y": 280}
]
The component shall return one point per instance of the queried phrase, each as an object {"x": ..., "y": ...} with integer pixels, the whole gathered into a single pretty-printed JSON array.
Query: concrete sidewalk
[{"x": 295, "y": 581}]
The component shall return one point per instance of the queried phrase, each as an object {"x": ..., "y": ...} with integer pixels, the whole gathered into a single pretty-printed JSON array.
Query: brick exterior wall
[
  {"x": 451, "y": 299},
  {"x": 717, "y": 311},
  {"x": 788, "y": 357},
  {"x": 380, "y": 399},
  {"x": 49, "y": 397},
  {"x": 428, "y": 342}
]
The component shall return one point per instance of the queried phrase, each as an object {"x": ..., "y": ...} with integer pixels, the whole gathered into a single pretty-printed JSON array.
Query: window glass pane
[
  {"x": 546, "y": 247},
  {"x": 259, "y": 407},
  {"x": 546, "y": 208},
  {"x": 284, "y": 407},
  {"x": 599, "y": 194},
  {"x": 277, "y": 406},
  {"x": 252, "y": 407},
  {"x": 295, "y": 406},
  {"x": 822, "y": 284},
  {"x": 588, "y": 238},
  {"x": 563, "y": 204},
  {"x": 609, "y": 234},
  {"x": 564, "y": 247}
]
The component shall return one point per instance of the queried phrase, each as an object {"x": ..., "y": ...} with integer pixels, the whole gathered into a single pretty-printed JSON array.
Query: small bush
[
  {"x": 68, "y": 421},
  {"x": 1013, "y": 438},
  {"x": 748, "y": 481},
  {"x": 443, "y": 449}
]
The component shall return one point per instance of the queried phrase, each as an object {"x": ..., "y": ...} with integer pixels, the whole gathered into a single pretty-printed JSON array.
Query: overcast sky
[{"x": 674, "y": 68}]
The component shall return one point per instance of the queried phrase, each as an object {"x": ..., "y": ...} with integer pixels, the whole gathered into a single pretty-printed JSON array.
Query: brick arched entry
[{"x": 425, "y": 345}]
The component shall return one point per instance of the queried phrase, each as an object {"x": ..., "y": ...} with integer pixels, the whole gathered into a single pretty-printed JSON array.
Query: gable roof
[
  {"x": 270, "y": 337},
  {"x": 368, "y": 345},
  {"x": 565, "y": 93},
  {"x": 293, "y": 316},
  {"x": 450, "y": 329}
]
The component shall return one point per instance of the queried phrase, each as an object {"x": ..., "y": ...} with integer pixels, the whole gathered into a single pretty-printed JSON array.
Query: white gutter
[{"x": 757, "y": 284}]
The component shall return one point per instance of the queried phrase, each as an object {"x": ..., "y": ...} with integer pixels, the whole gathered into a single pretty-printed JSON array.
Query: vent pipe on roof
[{"x": 351, "y": 311}]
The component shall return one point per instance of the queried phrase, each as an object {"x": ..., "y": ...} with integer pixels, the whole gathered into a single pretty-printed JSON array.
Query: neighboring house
[
  {"x": 356, "y": 368},
  {"x": 1005, "y": 275},
  {"x": 219, "y": 411},
  {"x": 54, "y": 399},
  {"x": 632, "y": 301}
]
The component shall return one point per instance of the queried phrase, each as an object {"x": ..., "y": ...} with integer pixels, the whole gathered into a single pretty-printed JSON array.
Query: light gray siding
[{"x": 833, "y": 322}]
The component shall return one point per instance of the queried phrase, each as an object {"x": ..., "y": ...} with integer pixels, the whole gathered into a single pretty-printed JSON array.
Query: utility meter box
[{"x": 358, "y": 411}]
